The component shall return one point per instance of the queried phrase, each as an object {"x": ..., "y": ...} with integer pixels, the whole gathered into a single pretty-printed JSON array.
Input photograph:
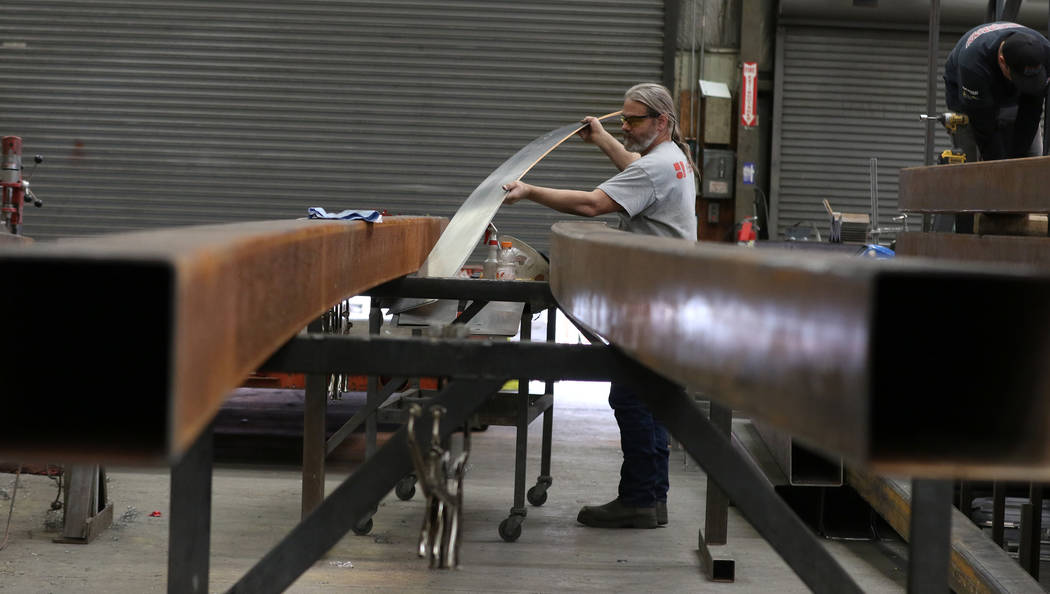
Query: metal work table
[{"x": 518, "y": 411}]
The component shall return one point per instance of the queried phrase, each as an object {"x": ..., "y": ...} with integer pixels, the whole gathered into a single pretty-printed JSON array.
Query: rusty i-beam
[
  {"x": 122, "y": 347},
  {"x": 827, "y": 348},
  {"x": 1007, "y": 186},
  {"x": 1010, "y": 186}
]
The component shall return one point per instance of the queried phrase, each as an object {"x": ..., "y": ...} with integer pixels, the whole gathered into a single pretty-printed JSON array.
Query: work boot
[
  {"x": 617, "y": 515},
  {"x": 661, "y": 513}
]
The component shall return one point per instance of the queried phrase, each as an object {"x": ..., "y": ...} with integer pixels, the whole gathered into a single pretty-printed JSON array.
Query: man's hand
[
  {"x": 592, "y": 130},
  {"x": 516, "y": 190}
]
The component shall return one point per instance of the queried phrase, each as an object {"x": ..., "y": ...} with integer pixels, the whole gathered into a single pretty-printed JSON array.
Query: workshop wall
[
  {"x": 160, "y": 114},
  {"x": 844, "y": 95}
]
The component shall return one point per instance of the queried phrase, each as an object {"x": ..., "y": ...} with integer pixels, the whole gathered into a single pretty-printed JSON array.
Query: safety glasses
[{"x": 634, "y": 120}]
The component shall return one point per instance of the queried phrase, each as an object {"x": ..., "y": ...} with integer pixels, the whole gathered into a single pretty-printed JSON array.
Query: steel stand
[
  {"x": 375, "y": 323},
  {"x": 315, "y": 408},
  {"x": 929, "y": 549},
  {"x": 743, "y": 484},
  {"x": 190, "y": 517},
  {"x": 1031, "y": 530},
  {"x": 717, "y": 566}
]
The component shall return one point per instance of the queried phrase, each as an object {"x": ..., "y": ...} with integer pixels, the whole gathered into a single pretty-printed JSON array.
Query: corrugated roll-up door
[
  {"x": 844, "y": 96},
  {"x": 166, "y": 113}
]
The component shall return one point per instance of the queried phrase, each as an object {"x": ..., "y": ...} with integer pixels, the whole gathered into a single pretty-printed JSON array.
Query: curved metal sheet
[{"x": 465, "y": 229}]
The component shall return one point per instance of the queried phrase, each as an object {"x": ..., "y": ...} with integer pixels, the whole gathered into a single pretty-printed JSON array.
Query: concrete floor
[{"x": 254, "y": 507}]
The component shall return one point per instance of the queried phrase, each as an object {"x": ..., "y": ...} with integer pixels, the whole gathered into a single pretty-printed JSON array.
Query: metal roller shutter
[
  {"x": 182, "y": 112},
  {"x": 845, "y": 95}
]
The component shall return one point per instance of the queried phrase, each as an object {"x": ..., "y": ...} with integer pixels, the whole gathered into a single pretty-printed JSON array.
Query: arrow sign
[{"x": 749, "y": 96}]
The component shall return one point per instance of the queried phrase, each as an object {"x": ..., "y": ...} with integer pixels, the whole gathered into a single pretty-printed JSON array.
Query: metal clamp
[{"x": 442, "y": 485}]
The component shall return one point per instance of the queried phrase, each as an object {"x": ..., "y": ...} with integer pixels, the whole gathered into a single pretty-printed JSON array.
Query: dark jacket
[{"x": 975, "y": 85}]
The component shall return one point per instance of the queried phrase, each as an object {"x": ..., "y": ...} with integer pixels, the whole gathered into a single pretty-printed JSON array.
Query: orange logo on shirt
[{"x": 681, "y": 168}]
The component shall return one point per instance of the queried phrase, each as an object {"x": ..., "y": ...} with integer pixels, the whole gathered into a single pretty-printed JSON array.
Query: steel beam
[
  {"x": 426, "y": 357},
  {"x": 536, "y": 293},
  {"x": 1011, "y": 185},
  {"x": 976, "y": 564},
  {"x": 801, "y": 465},
  {"x": 167, "y": 322},
  {"x": 1030, "y": 251},
  {"x": 818, "y": 345}
]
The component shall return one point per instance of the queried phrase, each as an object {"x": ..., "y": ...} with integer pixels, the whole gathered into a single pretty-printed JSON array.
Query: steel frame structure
[
  {"x": 620, "y": 287},
  {"x": 478, "y": 370}
]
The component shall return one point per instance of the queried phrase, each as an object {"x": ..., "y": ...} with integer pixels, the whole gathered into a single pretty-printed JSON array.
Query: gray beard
[{"x": 640, "y": 145}]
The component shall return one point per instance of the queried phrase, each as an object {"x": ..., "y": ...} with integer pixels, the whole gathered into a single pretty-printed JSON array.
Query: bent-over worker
[{"x": 997, "y": 75}]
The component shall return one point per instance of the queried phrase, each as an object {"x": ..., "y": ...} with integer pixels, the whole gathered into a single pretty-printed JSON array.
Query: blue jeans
[{"x": 643, "y": 474}]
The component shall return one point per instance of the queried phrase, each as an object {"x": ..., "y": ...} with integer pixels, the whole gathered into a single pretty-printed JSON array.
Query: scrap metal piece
[
  {"x": 815, "y": 345},
  {"x": 1010, "y": 185},
  {"x": 442, "y": 484},
  {"x": 165, "y": 323}
]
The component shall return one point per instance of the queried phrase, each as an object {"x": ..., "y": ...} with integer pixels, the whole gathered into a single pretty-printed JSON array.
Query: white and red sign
[{"x": 749, "y": 96}]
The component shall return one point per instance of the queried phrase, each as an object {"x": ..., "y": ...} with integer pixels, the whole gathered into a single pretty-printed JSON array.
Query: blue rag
[{"x": 369, "y": 216}]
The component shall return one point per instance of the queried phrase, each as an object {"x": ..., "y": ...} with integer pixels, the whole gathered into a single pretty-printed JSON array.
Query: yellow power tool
[{"x": 951, "y": 122}]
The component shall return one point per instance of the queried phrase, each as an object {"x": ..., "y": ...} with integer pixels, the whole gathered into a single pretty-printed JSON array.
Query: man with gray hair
[{"x": 654, "y": 194}]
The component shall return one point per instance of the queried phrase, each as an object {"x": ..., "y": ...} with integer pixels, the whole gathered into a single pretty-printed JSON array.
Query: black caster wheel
[
  {"x": 510, "y": 530},
  {"x": 406, "y": 488},
  {"x": 537, "y": 495},
  {"x": 363, "y": 528}
]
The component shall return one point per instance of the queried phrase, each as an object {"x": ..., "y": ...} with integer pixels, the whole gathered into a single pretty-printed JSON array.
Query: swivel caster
[
  {"x": 537, "y": 494},
  {"x": 510, "y": 529},
  {"x": 363, "y": 528},
  {"x": 406, "y": 488}
]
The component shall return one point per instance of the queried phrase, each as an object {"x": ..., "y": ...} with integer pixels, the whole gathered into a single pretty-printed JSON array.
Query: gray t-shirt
[{"x": 658, "y": 193}]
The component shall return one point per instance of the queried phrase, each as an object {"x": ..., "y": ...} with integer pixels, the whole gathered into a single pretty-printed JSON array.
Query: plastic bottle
[
  {"x": 490, "y": 268},
  {"x": 508, "y": 266}
]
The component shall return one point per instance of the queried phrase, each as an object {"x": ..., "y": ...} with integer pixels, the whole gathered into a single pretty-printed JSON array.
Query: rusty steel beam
[
  {"x": 122, "y": 347},
  {"x": 822, "y": 347},
  {"x": 978, "y": 565},
  {"x": 1008, "y": 186},
  {"x": 1030, "y": 251}
]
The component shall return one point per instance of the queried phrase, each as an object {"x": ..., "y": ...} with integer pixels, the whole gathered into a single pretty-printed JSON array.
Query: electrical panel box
[
  {"x": 719, "y": 173},
  {"x": 717, "y": 106}
]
